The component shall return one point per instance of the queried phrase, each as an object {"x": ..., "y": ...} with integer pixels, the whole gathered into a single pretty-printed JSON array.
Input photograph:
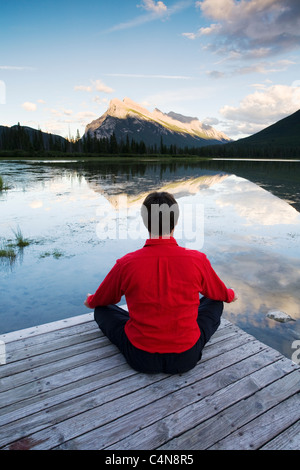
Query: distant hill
[
  {"x": 128, "y": 120},
  {"x": 26, "y": 138},
  {"x": 280, "y": 140},
  {"x": 285, "y": 132}
]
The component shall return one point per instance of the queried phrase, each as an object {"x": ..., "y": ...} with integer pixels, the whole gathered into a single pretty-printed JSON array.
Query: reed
[
  {"x": 7, "y": 253},
  {"x": 3, "y": 186},
  {"x": 20, "y": 240}
]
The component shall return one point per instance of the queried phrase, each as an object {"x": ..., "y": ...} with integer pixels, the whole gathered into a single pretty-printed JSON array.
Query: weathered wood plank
[
  {"x": 54, "y": 396},
  {"x": 209, "y": 432},
  {"x": 287, "y": 440},
  {"x": 66, "y": 386},
  {"x": 214, "y": 398},
  {"x": 264, "y": 428},
  {"x": 70, "y": 349},
  {"x": 48, "y": 344},
  {"x": 119, "y": 385},
  {"x": 51, "y": 368},
  {"x": 159, "y": 406},
  {"x": 67, "y": 376},
  {"x": 84, "y": 422},
  {"x": 53, "y": 327}
]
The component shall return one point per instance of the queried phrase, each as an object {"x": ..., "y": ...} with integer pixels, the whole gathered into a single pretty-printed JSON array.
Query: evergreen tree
[{"x": 113, "y": 144}]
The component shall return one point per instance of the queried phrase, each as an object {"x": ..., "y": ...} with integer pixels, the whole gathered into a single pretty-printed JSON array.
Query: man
[{"x": 166, "y": 326}]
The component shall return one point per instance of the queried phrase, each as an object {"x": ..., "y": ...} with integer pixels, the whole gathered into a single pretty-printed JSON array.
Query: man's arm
[
  {"x": 213, "y": 287},
  {"x": 109, "y": 291}
]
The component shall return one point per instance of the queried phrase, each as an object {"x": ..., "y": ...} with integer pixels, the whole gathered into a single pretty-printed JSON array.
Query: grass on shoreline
[
  {"x": 3, "y": 186},
  {"x": 75, "y": 155},
  {"x": 7, "y": 250}
]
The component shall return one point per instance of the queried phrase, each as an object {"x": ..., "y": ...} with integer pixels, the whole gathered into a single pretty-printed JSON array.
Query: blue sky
[{"x": 231, "y": 63}]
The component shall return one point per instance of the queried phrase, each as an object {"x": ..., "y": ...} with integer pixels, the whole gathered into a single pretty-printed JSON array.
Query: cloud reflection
[{"x": 255, "y": 204}]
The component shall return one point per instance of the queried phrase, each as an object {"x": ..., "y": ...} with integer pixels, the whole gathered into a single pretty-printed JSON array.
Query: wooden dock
[{"x": 64, "y": 386}]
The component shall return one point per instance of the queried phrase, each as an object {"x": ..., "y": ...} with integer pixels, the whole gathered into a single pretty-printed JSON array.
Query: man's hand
[
  {"x": 86, "y": 302},
  {"x": 235, "y": 296}
]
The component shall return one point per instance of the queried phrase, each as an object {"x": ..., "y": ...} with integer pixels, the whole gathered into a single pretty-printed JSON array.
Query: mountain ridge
[{"x": 129, "y": 118}]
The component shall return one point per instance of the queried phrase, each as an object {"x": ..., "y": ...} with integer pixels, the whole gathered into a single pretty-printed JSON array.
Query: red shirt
[{"x": 161, "y": 283}]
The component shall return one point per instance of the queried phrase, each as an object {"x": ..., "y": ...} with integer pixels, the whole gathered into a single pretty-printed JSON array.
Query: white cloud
[
  {"x": 84, "y": 117},
  {"x": 136, "y": 75},
  {"x": 99, "y": 100},
  {"x": 213, "y": 28},
  {"x": 257, "y": 28},
  {"x": 262, "y": 108},
  {"x": 154, "y": 11},
  {"x": 83, "y": 88},
  {"x": 14, "y": 67},
  {"x": 100, "y": 86},
  {"x": 210, "y": 121},
  {"x": 28, "y": 106},
  {"x": 61, "y": 112},
  {"x": 155, "y": 7},
  {"x": 97, "y": 85},
  {"x": 263, "y": 67}
]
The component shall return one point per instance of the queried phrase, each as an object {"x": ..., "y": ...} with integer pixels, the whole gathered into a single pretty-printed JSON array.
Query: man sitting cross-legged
[{"x": 167, "y": 323}]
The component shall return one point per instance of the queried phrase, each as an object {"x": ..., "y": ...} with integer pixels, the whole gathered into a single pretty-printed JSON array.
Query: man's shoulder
[
  {"x": 176, "y": 250},
  {"x": 131, "y": 255},
  {"x": 191, "y": 252}
]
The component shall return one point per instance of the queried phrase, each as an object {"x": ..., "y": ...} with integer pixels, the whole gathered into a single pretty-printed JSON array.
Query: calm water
[{"x": 80, "y": 216}]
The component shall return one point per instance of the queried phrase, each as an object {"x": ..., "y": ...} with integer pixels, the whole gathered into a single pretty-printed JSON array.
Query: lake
[{"x": 81, "y": 215}]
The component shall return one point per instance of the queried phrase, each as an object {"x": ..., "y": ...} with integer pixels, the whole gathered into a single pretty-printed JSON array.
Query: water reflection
[{"x": 250, "y": 235}]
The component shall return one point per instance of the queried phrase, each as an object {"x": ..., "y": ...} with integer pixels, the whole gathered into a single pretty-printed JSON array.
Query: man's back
[
  {"x": 165, "y": 328},
  {"x": 161, "y": 283}
]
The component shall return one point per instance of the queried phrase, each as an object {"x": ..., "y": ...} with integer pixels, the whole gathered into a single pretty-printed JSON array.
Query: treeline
[
  {"x": 19, "y": 138},
  {"x": 27, "y": 139},
  {"x": 129, "y": 146},
  {"x": 238, "y": 150}
]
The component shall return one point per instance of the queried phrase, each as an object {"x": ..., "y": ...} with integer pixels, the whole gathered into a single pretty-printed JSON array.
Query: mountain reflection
[{"x": 128, "y": 195}]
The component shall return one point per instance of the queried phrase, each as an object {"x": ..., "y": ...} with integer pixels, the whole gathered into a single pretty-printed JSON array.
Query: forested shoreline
[{"x": 21, "y": 140}]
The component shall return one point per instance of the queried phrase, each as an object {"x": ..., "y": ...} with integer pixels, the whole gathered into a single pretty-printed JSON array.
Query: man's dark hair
[{"x": 160, "y": 213}]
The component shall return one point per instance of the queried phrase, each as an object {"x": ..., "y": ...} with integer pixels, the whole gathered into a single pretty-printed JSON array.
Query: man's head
[{"x": 160, "y": 213}]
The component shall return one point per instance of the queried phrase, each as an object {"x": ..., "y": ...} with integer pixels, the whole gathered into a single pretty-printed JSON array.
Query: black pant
[{"x": 112, "y": 319}]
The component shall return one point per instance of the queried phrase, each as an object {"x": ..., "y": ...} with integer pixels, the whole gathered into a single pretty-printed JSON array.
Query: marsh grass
[
  {"x": 7, "y": 249},
  {"x": 9, "y": 253},
  {"x": 55, "y": 253},
  {"x": 20, "y": 240},
  {"x": 3, "y": 186},
  {"x": 7, "y": 256}
]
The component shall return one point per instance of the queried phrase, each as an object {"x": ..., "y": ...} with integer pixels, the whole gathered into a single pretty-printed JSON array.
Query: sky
[{"x": 233, "y": 64}]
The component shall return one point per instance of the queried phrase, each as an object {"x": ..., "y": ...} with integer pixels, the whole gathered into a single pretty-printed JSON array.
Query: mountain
[
  {"x": 285, "y": 132},
  {"x": 127, "y": 118},
  {"x": 279, "y": 140}
]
